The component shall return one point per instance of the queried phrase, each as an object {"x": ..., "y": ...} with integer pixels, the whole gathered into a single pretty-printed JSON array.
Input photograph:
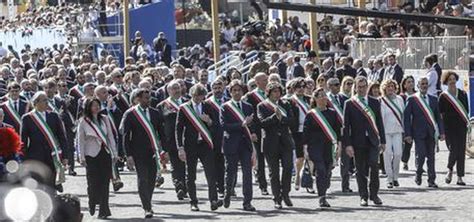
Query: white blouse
[{"x": 390, "y": 122}]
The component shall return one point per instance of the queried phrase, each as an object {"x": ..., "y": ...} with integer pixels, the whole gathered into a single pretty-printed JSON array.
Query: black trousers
[
  {"x": 220, "y": 170},
  {"x": 280, "y": 187},
  {"x": 406, "y": 151},
  {"x": 202, "y": 152},
  {"x": 456, "y": 143},
  {"x": 99, "y": 172},
  {"x": 245, "y": 159},
  {"x": 146, "y": 177},
  {"x": 346, "y": 165},
  {"x": 425, "y": 150},
  {"x": 261, "y": 177},
  {"x": 178, "y": 173},
  {"x": 322, "y": 159},
  {"x": 70, "y": 144},
  {"x": 366, "y": 162}
]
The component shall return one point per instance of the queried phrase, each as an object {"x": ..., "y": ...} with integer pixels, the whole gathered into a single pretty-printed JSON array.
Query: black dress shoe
[
  {"x": 405, "y": 166},
  {"x": 220, "y": 194},
  {"x": 117, "y": 185},
  {"x": 323, "y": 202},
  {"x": 389, "y": 185},
  {"x": 287, "y": 201},
  {"x": 249, "y": 207},
  {"x": 91, "y": 209},
  {"x": 264, "y": 192},
  {"x": 432, "y": 185},
  {"x": 232, "y": 193},
  {"x": 194, "y": 207},
  {"x": 180, "y": 194},
  {"x": 72, "y": 173},
  {"x": 377, "y": 200},
  {"x": 461, "y": 183},
  {"x": 347, "y": 190},
  {"x": 59, "y": 188},
  {"x": 148, "y": 214},
  {"x": 278, "y": 205},
  {"x": 363, "y": 202},
  {"x": 159, "y": 181},
  {"x": 418, "y": 180},
  {"x": 227, "y": 201},
  {"x": 216, "y": 204},
  {"x": 395, "y": 183},
  {"x": 102, "y": 217},
  {"x": 310, "y": 190}
]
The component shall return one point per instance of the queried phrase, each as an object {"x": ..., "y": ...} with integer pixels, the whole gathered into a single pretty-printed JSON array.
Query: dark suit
[
  {"x": 361, "y": 72},
  {"x": 237, "y": 147},
  {"x": 11, "y": 120},
  {"x": 439, "y": 71},
  {"x": 346, "y": 70},
  {"x": 277, "y": 145},
  {"x": 363, "y": 138},
  {"x": 137, "y": 145},
  {"x": 36, "y": 146},
  {"x": 115, "y": 116},
  {"x": 59, "y": 106},
  {"x": 187, "y": 136},
  {"x": 418, "y": 127},
  {"x": 320, "y": 148},
  {"x": 282, "y": 67},
  {"x": 296, "y": 133},
  {"x": 168, "y": 138},
  {"x": 298, "y": 71}
]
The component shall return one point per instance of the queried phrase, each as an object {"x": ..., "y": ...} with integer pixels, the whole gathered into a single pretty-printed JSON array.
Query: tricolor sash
[
  {"x": 112, "y": 123},
  {"x": 10, "y": 109},
  {"x": 150, "y": 131},
  {"x": 273, "y": 106},
  {"x": 52, "y": 107},
  {"x": 198, "y": 124},
  {"x": 213, "y": 102},
  {"x": 258, "y": 95},
  {"x": 124, "y": 99},
  {"x": 428, "y": 113},
  {"x": 339, "y": 111},
  {"x": 326, "y": 127},
  {"x": 395, "y": 109},
  {"x": 238, "y": 114},
  {"x": 367, "y": 111},
  {"x": 44, "y": 128},
  {"x": 301, "y": 104},
  {"x": 457, "y": 105},
  {"x": 172, "y": 103},
  {"x": 78, "y": 91}
]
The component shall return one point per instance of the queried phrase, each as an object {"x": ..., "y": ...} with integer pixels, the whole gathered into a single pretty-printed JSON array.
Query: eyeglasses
[{"x": 349, "y": 83}]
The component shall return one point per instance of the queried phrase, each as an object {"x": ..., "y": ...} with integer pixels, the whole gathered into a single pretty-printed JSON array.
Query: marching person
[
  {"x": 423, "y": 125},
  {"x": 407, "y": 89},
  {"x": 275, "y": 117},
  {"x": 392, "y": 106},
  {"x": 364, "y": 139},
  {"x": 216, "y": 101},
  {"x": 168, "y": 110},
  {"x": 44, "y": 139},
  {"x": 141, "y": 142},
  {"x": 300, "y": 107},
  {"x": 96, "y": 145},
  {"x": 322, "y": 133},
  {"x": 254, "y": 98},
  {"x": 14, "y": 107},
  {"x": 195, "y": 141},
  {"x": 453, "y": 106},
  {"x": 237, "y": 120}
]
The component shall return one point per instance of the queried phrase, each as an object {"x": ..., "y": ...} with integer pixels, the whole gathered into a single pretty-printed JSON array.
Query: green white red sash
[
  {"x": 9, "y": 108},
  {"x": 395, "y": 109},
  {"x": 367, "y": 112},
  {"x": 213, "y": 102},
  {"x": 301, "y": 104},
  {"x": 326, "y": 127},
  {"x": 112, "y": 123},
  {"x": 124, "y": 99},
  {"x": 337, "y": 108},
  {"x": 258, "y": 95},
  {"x": 44, "y": 128},
  {"x": 273, "y": 106},
  {"x": 78, "y": 91},
  {"x": 428, "y": 113},
  {"x": 52, "y": 106},
  {"x": 457, "y": 105},
  {"x": 238, "y": 114},
  {"x": 173, "y": 103},
  {"x": 150, "y": 131},
  {"x": 198, "y": 124}
]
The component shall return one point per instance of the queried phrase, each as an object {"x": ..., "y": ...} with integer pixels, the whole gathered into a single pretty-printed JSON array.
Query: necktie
[
  {"x": 16, "y": 106},
  {"x": 240, "y": 107}
]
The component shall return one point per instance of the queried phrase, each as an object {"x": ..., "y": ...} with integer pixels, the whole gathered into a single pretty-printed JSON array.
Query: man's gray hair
[
  {"x": 172, "y": 84},
  {"x": 36, "y": 96},
  {"x": 198, "y": 90}
]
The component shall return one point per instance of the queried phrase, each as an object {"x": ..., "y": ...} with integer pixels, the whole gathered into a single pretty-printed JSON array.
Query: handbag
[{"x": 306, "y": 178}]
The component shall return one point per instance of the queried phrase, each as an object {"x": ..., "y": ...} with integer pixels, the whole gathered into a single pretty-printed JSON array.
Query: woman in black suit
[
  {"x": 322, "y": 133},
  {"x": 407, "y": 87},
  {"x": 453, "y": 107},
  {"x": 97, "y": 148}
]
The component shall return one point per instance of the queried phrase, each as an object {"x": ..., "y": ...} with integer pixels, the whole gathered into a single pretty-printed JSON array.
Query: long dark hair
[
  {"x": 315, "y": 95},
  {"x": 87, "y": 113},
  {"x": 404, "y": 80}
]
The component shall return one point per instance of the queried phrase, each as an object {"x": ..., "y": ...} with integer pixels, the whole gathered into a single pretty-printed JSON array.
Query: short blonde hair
[{"x": 385, "y": 84}]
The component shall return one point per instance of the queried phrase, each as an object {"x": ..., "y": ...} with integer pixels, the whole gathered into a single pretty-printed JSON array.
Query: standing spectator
[
  {"x": 162, "y": 49},
  {"x": 394, "y": 71},
  {"x": 431, "y": 75},
  {"x": 298, "y": 70}
]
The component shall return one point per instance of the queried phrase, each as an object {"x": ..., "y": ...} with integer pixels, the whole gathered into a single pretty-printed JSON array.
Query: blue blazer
[
  {"x": 235, "y": 138},
  {"x": 416, "y": 124}
]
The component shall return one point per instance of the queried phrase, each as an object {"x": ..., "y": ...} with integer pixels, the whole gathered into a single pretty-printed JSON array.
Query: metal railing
[{"x": 452, "y": 51}]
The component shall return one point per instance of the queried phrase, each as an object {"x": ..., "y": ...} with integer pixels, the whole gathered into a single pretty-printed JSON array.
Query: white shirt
[
  {"x": 389, "y": 119},
  {"x": 198, "y": 109},
  {"x": 3, "y": 52},
  {"x": 432, "y": 76}
]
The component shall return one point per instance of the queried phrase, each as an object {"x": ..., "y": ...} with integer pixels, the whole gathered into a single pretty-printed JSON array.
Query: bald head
[{"x": 261, "y": 79}]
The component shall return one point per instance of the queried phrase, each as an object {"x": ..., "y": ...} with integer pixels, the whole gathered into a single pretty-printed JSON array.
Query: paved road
[{"x": 408, "y": 202}]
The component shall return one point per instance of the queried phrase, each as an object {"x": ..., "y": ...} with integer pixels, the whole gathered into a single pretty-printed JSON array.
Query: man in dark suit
[
  {"x": 377, "y": 74},
  {"x": 282, "y": 67},
  {"x": 14, "y": 107},
  {"x": 195, "y": 141},
  {"x": 345, "y": 69},
  {"x": 364, "y": 139},
  {"x": 359, "y": 67},
  {"x": 44, "y": 139},
  {"x": 239, "y": 134},
  {"x": 298, "y": 70},
  {"x": 276, "y": 117},
  {"x": 423, "y": 125},
  {"x": 254, "y": 98},
  {"x": 168, "y": 110},
  {"x": 141, "y": 143},
  {"x": 216, "y": 101},
  {"x": 394, "y": 71}
]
